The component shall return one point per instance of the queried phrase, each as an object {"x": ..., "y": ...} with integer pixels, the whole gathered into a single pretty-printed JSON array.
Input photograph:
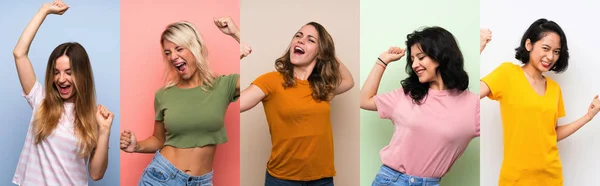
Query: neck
[
  {"x": 70, "y": 100},
  {"x": 303, "y": 72},
  {"x": 194, "y": 81},
  {"x": 533, "y": 72},
  {"x": 438, "y": 84}
]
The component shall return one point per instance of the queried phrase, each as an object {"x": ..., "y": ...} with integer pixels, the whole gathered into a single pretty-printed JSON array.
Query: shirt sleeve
[
  {"x": 387, "y": 102},
  {"x": 561, "y": 106},
  {"x": 497, "y": 80},
  {"x": 230, "y": 81},
  {"x": 477, "y": 119},
  {"x": 266, "y": 83},
  {"x": 158, "y": 109},
  {"x": 35, "y": 96}
]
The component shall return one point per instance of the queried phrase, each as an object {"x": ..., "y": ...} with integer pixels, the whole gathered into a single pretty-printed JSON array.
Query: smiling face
[
  {"x": 423, "y": 65},
  {"x": 544, "y": 53},
  {"x": 63, "y": 79},
  {"x": 304, "y": 46},
  {"x": 181, "y": 59}
]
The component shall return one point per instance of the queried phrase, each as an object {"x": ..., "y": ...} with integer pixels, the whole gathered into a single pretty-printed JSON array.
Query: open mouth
[
  {"x": 64, "y": 89},
  {"x": 546, "y": 65},
  {"x": 298, "y": 50},
  {"x": 181, "y": 67}
]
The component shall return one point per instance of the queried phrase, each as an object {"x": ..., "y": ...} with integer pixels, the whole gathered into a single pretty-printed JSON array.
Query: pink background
[{"x": 142, "y": 71}]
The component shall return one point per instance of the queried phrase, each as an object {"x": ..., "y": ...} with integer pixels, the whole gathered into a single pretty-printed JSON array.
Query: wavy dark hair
[
  {"x": 326, "y": 75},
  {"x": 539, "y": 29},
  {"x": 441, "y": 46}
]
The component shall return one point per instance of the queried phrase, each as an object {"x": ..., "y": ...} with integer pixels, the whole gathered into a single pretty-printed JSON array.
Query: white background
[{"x": 508, "y": 20}]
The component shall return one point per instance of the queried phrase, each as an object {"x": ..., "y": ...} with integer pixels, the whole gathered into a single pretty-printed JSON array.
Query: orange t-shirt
[{"x": 300, "y": 130}]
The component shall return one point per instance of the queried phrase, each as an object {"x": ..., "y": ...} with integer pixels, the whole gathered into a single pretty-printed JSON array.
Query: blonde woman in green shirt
[{"x": 189, "y": 110}]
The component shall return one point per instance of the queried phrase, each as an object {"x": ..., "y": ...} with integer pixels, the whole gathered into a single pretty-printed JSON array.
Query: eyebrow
[
  {"x": 550, "y": 47},
  {"x": 417, "y": 54},
  {"x": 299, "y": 32}
]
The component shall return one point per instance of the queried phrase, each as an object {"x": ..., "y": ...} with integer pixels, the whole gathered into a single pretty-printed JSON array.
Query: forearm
[
  {"x": 149, "y": 145},
  {"x": 236, "y": 36},
  {"x": 99, "y": 160},
  {"x": 371, "y": 86},
  {"x": 565, "y": 131},
  {"x": 346, "y": 75}
]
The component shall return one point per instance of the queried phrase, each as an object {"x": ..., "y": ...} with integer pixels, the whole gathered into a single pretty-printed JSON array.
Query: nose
[
  {"x": 550, "y": 56},
  {"x": 301, "y": 41},
  {"x": 415, "y": 64},
  {"x": 62, "y": 78},
  {"x": 174, "y": 56}
]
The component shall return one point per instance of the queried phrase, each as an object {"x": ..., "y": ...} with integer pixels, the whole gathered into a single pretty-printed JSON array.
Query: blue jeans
[
  {"x": 391, "y": 177},
  {"x": 161, "y": 172},
  {"x": 272, "y": 181}
]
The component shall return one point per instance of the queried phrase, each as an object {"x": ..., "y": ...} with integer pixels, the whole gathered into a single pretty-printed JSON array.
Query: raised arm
[
  {"x": 565, "y": 131},
  {"x": 21, "y": 51},
  {"x": 347, "y": 80},
  {"x": 99, "y": 157},
  {"x": 371, "y": 85},
  {"x": 485, "y": 36}
]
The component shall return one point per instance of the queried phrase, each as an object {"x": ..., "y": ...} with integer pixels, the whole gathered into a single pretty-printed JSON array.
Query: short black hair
[
  {"x": 441, "y": 46},
  {"x": 537, "y": 31}
]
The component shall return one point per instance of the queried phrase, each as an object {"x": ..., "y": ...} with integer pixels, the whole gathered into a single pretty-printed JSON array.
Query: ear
[{"x": 528, "y": 45}]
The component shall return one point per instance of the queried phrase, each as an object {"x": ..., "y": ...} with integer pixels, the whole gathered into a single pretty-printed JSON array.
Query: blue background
[{"x": 95, "y": 25}]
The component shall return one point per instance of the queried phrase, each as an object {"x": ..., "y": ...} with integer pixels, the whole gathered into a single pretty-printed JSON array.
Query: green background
[{"x": 385, "y": 23}]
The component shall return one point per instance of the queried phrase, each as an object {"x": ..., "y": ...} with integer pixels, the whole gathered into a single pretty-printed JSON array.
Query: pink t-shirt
[
  {"x": 428, "y": 138},
  {"x": 54, "y": 161}
]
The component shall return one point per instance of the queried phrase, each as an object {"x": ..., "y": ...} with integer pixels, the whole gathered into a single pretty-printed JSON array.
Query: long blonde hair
[
  {"x": 51, "y": 109},
  {"x": 184, "y": 34}
]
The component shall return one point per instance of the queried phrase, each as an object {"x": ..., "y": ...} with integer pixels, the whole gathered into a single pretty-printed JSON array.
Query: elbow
[
  {"x": 351, "y": 83},
  {"x": 18, "y": 54},
  {"x": 363, "y": 103},
  {"x": 97, "y": 177},
  {"x": 96, "y": 174}
]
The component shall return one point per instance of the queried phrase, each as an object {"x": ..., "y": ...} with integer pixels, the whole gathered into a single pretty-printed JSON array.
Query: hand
[
  {"x": 57, "y": 7},
  {"x": 245, "y": 50},
  {"x": 392, "y": 54},
  {"x": 226, "y": 25},
  {"x": 128, "y": 141},
  {"x": 104, "y": 118},
  {"x": 594, "y": 108},
  {"x": 485, "y": 36}
]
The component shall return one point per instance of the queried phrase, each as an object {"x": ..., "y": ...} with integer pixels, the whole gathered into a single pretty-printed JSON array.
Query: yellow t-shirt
[
  {"x": 529, "y": 123},
  {"x": 300, "y": 130}
]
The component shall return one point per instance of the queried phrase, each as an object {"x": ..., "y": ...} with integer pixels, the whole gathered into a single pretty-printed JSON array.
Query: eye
[
  {"x": 179, "y": 49},
  {"x": 545, "y": 48},
  {"x": 297, "y": 36},
  {"x": 167, "y": 53},
  {"x": 312, "y": 41},
  {"x": 557, "y": 52},
  {"x": 56, "y": 72},
  {"x": 421, "y": 58}
]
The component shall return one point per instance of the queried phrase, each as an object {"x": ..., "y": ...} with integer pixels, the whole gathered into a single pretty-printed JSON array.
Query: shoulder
[
  {"x": 161, "y": 91},
  {"x": 509, "y": 66},
  {"x": 551, "y": 83},
  {"x": 273, "y": 74}
]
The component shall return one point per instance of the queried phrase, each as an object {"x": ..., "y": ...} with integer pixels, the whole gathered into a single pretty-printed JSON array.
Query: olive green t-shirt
[{"x": 194, "y": 117}]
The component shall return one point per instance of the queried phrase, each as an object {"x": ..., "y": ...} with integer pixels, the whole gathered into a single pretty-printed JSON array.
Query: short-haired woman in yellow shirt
[{"x": 530, "y": 105}]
